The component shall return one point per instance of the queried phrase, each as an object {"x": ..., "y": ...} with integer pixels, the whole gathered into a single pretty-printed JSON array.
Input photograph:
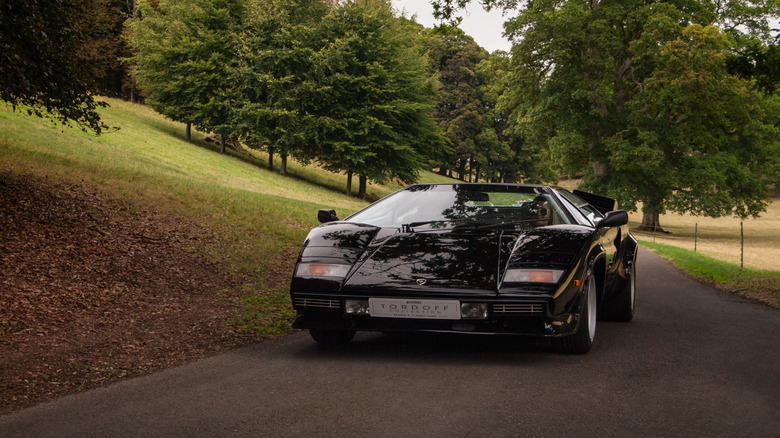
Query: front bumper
[{"x": 529, "y": 316}]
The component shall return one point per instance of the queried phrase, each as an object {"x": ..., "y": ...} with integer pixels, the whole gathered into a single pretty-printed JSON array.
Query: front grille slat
[
  {"x": 521, "y": 308},
  {"x": 320, "y": 303},
  {"x": 502, "y": 308}
]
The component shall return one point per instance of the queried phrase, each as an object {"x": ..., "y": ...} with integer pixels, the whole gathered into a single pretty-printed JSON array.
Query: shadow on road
[{"x": 434, "y": 347}]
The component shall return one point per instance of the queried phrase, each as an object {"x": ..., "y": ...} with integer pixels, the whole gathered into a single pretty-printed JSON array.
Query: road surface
[{"x": 694, "y": 362}]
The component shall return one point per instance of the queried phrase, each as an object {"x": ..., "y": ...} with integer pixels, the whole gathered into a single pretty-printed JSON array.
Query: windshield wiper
[
  {"x": 511, "y": 223},
  {"x": 409, "y": 228}
]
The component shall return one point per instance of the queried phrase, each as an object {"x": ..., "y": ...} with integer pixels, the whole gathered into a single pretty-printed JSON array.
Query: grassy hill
[{"x": 148, "y": 163}]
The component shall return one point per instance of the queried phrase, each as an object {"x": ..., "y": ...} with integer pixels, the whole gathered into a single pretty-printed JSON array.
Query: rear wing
[{"x": 602, "y": 203}]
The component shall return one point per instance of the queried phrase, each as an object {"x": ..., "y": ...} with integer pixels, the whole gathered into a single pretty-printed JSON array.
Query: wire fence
[
  {"x": 751, "y": 244},
  {"x": 719, "y": 239}
]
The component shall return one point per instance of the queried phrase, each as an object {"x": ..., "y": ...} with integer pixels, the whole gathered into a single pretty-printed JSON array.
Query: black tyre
[
  {"x": 620, "y": 307},
  {"x": 582, "y": 340},
  {"x": 331, "y": 336}
]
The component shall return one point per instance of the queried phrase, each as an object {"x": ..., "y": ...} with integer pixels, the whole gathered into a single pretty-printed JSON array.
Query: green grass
[
  {"x": 758, "y": 284},
  {"x": 266, "y": 314}
]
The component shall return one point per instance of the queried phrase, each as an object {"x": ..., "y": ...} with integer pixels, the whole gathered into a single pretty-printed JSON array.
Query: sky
[{"x": 486, "y": 28}]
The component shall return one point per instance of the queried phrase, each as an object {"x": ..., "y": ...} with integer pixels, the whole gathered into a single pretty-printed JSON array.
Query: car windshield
[{"x": 443, "y": 206}]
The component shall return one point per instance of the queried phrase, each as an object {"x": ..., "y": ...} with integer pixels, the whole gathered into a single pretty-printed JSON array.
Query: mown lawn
[{"x": 721, "y": 238}]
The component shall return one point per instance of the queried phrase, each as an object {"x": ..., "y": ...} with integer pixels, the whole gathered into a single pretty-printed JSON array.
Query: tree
[
  {"x": 759, "y": 62},
  {"x": 454, "y": 57},
  {"x": 101, "y": 45},
  {"x": 275, "y": 76},
  {"x": 185, "y": 51},
  {"x": 375, "y": 95},
  {"x": 37, "y": 66},
  {"x": 699, "y": 139},
  {"x": 503, "y": 154}
]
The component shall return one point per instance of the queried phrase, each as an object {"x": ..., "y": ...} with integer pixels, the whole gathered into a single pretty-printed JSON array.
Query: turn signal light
[
  {"x": 540, "y": 276},
  {"x": 322, "y": 270},
  {"x": 533, "y": 275},
  {"x": 319, "y": 269}
]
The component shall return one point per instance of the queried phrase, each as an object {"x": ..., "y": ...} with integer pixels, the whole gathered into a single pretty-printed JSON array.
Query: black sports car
[{"x": 475, "y": 258}]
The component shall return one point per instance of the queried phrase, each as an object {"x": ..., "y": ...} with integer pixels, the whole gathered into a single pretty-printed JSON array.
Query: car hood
[
  {"x": 388, "y": 262},
  {"x": 432, "y": 262},
  {"x": 553, "y": 246}
]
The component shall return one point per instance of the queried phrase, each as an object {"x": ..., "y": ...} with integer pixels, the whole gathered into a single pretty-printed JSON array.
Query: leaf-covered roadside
[{"x": 93, "y": 290}]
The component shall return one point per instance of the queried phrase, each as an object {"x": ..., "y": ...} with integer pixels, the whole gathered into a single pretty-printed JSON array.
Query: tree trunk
[
  {"x": 362, "y": 182},
  {"x": 599, "y": 169},
  {"x": 651, "y": 210},
  {"x": 461, "y": 171},
  {"x": 650, "y": 222},
  {"x": 271, "y": 158},
  {"x": 476, "y": 174},
  {"x": 349, "y": 183},
  {"x": 283, "y": 168},
  {"x": 188, "y": 131},
  {"x": 223, "y": 141},
  {"x": 443, "y": 171}
]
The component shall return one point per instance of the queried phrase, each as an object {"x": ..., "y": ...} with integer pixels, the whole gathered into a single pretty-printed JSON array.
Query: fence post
[
  {"x": 742, "y": 245},
  {"x": 655, "y": 227},
  {"x": 696, "y": 237}
]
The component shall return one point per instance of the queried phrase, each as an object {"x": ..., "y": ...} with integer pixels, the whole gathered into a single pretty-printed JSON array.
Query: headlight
[
  {"x": 330, "y": 270},
  {"x": 533, "y": 275}
]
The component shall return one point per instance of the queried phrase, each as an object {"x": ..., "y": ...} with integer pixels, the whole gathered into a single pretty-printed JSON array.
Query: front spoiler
[{"x": 530, "y": 325}]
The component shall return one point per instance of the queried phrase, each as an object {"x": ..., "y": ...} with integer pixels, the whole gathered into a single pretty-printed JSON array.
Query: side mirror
[
  {"x": 327, "y": 216},
  {"x": 613, "y": 219}
]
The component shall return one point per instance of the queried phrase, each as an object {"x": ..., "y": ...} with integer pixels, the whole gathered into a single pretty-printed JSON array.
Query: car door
[{"x": 610, "y": 238}]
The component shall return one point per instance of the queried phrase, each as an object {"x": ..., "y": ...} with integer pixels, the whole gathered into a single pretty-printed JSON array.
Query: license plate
[{"x": 416, "y": 309}]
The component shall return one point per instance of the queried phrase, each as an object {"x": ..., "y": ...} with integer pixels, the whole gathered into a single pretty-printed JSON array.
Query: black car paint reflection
[{"x": 463, "y": 252}]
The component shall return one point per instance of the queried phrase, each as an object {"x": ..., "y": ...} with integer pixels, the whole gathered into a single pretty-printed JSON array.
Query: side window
[{"x": 591, "y": 214}]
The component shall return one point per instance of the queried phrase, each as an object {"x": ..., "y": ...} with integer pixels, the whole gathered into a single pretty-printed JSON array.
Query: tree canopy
[
  {"x": 375, "y": 94},
  {"x": 40, "y": 63},
  {"x": 341, "y": 83}
]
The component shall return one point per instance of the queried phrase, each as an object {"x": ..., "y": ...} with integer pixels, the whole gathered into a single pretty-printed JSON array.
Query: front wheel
[
  {"x": 331, "y": 336},
  {"x": 582, "y": 340}
]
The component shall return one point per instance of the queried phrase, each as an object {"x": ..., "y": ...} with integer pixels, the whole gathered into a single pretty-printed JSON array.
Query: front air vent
[
  {"x": 519, "y": 308},
  {"x": 320, "y": 303}
]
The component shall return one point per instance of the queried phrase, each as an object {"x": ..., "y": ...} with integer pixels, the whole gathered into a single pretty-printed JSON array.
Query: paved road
[{"x": 694, "y": 362}]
